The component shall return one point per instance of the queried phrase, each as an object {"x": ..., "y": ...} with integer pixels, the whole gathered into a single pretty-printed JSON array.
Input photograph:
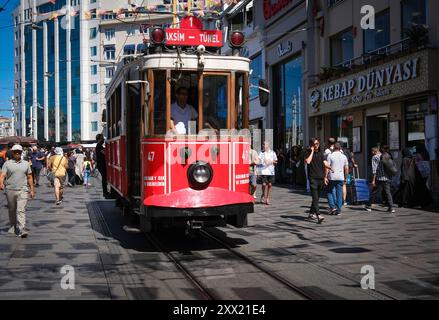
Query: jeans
[
  {"x": 380, "y": 185},
  {"x": 335, "y": 195},
  {"x": 316, "y": 187}
]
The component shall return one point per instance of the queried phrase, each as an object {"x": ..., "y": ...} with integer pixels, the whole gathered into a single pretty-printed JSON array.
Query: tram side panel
[{"x": 116, "y": 165}]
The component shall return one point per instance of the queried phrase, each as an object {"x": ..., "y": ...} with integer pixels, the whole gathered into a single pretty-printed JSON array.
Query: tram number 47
[{"x": 151, "y": 155}]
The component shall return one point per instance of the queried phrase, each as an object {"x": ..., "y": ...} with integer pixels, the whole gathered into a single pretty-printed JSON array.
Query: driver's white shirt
[{"x": 182, "y": 116}]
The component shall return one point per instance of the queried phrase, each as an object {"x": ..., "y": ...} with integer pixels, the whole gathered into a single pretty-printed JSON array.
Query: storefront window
[
  {"x": 256, "y": 75},
  {"x": 288, "y": 104},
  {"x": 379, "y": 37},
  {"x": 342, "y": 129},
  {"x": 415, "y": 122}
]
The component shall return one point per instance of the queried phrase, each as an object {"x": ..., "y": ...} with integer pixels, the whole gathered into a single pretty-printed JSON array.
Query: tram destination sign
[{"x": 191, "y": 33}]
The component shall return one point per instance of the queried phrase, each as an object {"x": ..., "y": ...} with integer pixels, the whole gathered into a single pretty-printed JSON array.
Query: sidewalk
[
  {"x": 403, "y": 247},
  {"x": 86, "y": 232}
]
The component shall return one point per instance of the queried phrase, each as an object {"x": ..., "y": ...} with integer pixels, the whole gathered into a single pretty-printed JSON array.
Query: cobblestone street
[{"x": 88, "y": 233}]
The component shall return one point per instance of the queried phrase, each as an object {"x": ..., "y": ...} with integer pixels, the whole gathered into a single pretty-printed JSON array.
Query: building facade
[
  {"x": 374, "y": 87},
  {"x": 6, "y": 127},
  {"x": 66, "y": 52}
]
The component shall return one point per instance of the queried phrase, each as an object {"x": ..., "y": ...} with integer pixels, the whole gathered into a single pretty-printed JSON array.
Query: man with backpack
[{"x": 383, "y": 170}]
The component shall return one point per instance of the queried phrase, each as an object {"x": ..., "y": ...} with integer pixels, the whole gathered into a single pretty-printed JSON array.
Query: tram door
[{"x": 134, "y": 114}]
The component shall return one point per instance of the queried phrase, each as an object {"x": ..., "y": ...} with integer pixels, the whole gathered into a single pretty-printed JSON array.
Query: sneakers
[
  {"x": 22, "y": 233},
  {"x": 11, "y": 230}
]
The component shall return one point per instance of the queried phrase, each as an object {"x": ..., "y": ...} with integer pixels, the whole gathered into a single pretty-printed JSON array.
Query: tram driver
[{"x": 182, "y": 113}]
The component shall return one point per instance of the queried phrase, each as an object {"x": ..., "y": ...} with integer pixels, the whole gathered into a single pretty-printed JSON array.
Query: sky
[{"x": 6, "y": 56}]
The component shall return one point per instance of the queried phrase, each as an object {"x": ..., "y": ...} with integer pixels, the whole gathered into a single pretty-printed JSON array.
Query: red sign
[
  {"x": 272, "y": 8},
  {"x": 191, "y": 33}
]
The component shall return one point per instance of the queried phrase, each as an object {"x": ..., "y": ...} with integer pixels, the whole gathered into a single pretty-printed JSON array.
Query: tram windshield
[{"x": 188, "y": 102}]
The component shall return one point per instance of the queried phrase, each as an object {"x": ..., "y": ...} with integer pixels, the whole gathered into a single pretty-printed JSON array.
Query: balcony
[{"x": 417, "y": 39}]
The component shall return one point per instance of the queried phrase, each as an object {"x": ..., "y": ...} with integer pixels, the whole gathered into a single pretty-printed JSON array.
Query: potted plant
[{"x": 417, "y": 36}]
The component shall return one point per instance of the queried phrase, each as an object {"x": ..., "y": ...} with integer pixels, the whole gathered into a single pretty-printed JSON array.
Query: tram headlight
[
  {"x": 158, "y": 36},
  {"x": 237, "y": 39},
  {"x": 200, "y": 175}
]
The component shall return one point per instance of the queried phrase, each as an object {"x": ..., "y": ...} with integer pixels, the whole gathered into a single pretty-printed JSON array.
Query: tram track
[
  {"x": 327, "y": 269},
  {"x": 204, "y": 290},
  {"x": 190, "y": 277},
  {"x": 287, "y": 283}
]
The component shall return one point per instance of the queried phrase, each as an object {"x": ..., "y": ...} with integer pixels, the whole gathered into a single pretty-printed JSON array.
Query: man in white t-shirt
[
  {"x": 182, "y": 113},
  {"x": 330, "y": 148},
  {"x": 267, "y": 160},
  {"x": 336, "y": 177}
]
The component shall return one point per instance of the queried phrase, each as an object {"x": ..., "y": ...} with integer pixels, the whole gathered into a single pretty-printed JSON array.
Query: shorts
[
  {"x": 267, "y": 179},
  {"x": 253, "y": 179},
  {"x": 59, "y": 182},
  {"x": 36, "y": 171}
]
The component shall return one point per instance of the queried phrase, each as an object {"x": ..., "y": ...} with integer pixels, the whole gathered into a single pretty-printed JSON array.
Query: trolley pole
[{"x": 174, "y": 11}]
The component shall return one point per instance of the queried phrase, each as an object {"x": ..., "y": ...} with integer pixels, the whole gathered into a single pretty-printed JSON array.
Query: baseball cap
[
  {"x": 59, "y": 151},
  {"x": 17, "y": 147}
]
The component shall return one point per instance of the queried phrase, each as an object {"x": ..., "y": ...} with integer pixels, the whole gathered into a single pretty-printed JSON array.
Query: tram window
[
  {"x": 239, "y": 101},
  {"x": 160, "y": 102},
  {"x": 118, "y": 112},
  {"x": 184, "y": 90},
  {"x": 215, "y": 99}
]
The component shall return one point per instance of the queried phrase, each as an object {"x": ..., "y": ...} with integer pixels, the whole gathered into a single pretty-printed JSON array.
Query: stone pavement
[
  {"x": 403, "y": 248},
  {"x": 87, "y": 233}
]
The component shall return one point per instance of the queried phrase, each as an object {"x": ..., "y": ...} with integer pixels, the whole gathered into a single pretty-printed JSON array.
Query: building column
[
  {"x": 85, "y": 71},
  {"x": 23, "y": 75},
  {"x": 69, "y": 73},
  {"x": 57, "y": 120},
  {"x": 46, "y": 82},
  {"x": 34, "y": 107}
]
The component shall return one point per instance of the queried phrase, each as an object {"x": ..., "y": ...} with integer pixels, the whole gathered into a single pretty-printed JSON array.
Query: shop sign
[
  {"x": 375, "y": 84},
  {"x": 273, "y": 7},
  {"x": 282, "y": 51}
]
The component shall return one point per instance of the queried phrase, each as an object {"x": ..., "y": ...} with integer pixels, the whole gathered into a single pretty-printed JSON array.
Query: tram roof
[{"x": 165, "y": 61}]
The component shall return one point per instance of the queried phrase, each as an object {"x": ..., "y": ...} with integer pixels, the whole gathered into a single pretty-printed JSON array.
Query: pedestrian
[
  {"x": 71, "y": 169},
  {"x": 16, "y": 178},
  {"x": 101, "y": 163},
  {"x": 268, "y": 161},
  {"x": 58, "y": 165},
  {"x": 86, "y": 171},
  {"x": 254, "y": 161},
  {"x": 405, "y": 195},
  {"x": 381, "y": 178},
  {"x": 352, "y": 165},
  {"x": 330, "y": 147},
  {"x": 37, "y": 158},
  {"x": 79, "y": 160},
  {"x": 3, "y": 156},
  {"x": 9, "y": 155},
  {"x": 315, "y": 161},
  {"x": 336, "y": 177}
]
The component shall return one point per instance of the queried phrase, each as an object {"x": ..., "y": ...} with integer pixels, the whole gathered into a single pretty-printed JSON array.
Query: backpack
[{"x": 389, "y": 165}]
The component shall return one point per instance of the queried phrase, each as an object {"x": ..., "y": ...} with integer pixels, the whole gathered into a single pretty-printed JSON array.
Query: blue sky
[{"x": 7, "y": 56}]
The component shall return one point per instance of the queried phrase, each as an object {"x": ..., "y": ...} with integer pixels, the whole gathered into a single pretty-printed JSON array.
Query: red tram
[{"x": 195, "y": 178}]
